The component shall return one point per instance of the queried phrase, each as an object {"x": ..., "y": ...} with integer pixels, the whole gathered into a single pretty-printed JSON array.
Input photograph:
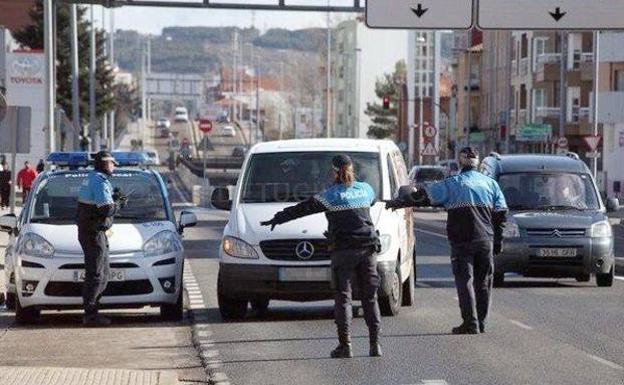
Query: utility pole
[
  {"x": 148, "y": 101},
  {"x": 73, "y": 28},
  {"x": 468, "y": 110},
  {"x": 510, "y": 98},
  {"x": 436, "y": 91},
  {"x": 92, "y": 121},
  {"x": 234, "y": 75},
  {"x": 411, "y": 88},
  {"x": 111, "y": 60},
  {"x": 48, "y": 46},
  {"x": 421, "y": 122},
  {"x": 282, "y": 96},
  {"x": 596, "y": 89},
  {"x": 328, "y": 65},
  {"x": 104, "y": 124},
  {"x": 562, "y": 85}
]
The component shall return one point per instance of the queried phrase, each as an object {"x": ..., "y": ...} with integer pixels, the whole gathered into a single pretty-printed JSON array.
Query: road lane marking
[
  {"x": 431, "y": 233},
  {"x": 422, "y": 284},
  {"x": 520, "y": 325},
  {"x": 619, "y": 278},
  {"x": 608, "y": 363}
]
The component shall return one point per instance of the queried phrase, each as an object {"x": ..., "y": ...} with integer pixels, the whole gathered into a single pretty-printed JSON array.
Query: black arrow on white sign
[
  {"x": 557, "y": 15},
  {"x": 419, "y": 10}
]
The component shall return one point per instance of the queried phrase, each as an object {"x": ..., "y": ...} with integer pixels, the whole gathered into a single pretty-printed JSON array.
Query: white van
[
  {"x": 181, "y": 114},
  {"x": 293, "y": 261}
]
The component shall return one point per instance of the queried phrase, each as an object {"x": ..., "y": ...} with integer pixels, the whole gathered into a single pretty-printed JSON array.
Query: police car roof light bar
[{"x": 79, "y": 159}]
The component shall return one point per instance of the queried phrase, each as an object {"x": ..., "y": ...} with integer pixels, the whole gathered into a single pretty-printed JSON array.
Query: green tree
[
  {"x": 385, "y": 122},
  {"x": 32, "y": 37}
]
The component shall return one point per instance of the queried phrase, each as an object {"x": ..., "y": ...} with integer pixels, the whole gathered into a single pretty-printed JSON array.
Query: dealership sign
[{"x": 26, "y": 68}]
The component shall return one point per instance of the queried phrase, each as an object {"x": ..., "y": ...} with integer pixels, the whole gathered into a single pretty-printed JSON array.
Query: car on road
[
  {"x": 558, "y": 224},
  {"x": 228, "y": 130},
  {"x": 164, "y": 125},
  {"x": 293, "y": 261},
  {"x": 239, "y": 151},
  {"x": 422, "y": 176},
  {"x": 451, "y": 166},
  {"x": 153, "y": 159},
  {"x": 181, "y": 115},
  {"x": 45, "y": 263}
]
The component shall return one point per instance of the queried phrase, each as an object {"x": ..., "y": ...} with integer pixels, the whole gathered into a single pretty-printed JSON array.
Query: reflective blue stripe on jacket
[{"x": 475, "y": 203}]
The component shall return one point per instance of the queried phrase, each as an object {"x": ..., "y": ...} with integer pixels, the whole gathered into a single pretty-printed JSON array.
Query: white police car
[{"x": 44, "y": 261}]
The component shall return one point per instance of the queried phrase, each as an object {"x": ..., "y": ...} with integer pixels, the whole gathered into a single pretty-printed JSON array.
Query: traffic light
[{"x": 386, "y": 102}]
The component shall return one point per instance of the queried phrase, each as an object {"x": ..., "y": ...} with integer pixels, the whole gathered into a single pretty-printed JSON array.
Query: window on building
[
  {"x": 524, "y": 46},
  {"x": 619, "y": 80},
  {"x": 523, "y": 97}
]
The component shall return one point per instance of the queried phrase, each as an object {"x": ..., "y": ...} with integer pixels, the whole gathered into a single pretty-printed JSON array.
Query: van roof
[
  {"x": 350, "y": 145},
  {"x": 537, "y": 163}
]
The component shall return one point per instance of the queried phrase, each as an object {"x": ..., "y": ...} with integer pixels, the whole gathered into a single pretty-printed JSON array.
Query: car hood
[
  {"x": 566, "y": 219},
  {"x": 122, "y": 238},
  {"x": 250, "y": 215}
]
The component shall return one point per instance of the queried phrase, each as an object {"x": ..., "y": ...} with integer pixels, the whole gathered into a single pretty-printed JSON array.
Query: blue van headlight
[
  {"x": 601, "y": 229},
  {"x": 164, "y": 242}
]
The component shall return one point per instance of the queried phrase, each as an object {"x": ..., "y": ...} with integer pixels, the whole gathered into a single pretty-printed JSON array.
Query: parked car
[
  {"x": 558, "y": 224},
  {"x": 258, "y": 265},
  {"x": 451, "y": 166},
  {"x": 239, "y": 151},
  {"x": 228, "y": 130},
  {"x": 164, "y": 125}
]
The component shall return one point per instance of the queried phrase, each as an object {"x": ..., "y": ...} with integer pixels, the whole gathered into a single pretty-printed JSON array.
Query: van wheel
[
  {"x": 499, "y": 279},
  {"x": 25, "y": 316},
  {"x": 606, "y": 280},
  {"x": 390, "y": 304},
  {"x": 173, "y": 312},
  {"x": 583, "y": 277},
  {"x": 230, "y": 309},
  {"x": 260, "y": 306},
  {"x": 408, "y": 289},
  {"x": 10, "y": 301}
]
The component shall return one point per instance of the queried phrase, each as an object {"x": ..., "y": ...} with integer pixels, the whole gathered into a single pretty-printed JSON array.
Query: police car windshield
[
  {"x": 549, "y": 191},
  {"x": 56, "y": 198},
  {"x": 295, "y": 176}
]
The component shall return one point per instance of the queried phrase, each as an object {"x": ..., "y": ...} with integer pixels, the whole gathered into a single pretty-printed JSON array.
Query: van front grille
[
  {"x": 556, "y": 233},
  {"x": 286, "y": 249}
]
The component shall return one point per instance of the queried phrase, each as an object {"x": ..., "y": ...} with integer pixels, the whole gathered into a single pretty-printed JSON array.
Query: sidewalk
[{"x": 74, "y": 376}]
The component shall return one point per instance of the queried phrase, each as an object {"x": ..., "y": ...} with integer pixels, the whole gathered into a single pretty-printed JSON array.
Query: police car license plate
[
  {"x": 113, "y": 276},
  {"x": 557, "y": 252},
  {"x": 304, "y": 274}
]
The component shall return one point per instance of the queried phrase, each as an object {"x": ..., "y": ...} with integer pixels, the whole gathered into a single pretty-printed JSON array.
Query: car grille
[
  {"x": 285, "y": 249},
  {"x": 556, "y": 233},
  {"x": 74, "y": 289}
]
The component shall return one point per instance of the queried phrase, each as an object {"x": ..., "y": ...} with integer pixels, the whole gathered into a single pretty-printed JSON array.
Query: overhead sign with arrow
[
  {"x": 419, "y": 14},
  {"x": 551, "y": 14}
]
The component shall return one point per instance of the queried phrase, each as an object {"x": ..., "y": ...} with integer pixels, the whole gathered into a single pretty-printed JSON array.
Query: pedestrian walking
[
  {"x": 97, "y": 205},
  {"x": 5, "y": 185},
  {"x": 25, "y": 178},
  {"x": 476, "y": 214},
  {"x": 354, "y": 244},
  {"x": 40, "y": 166}
]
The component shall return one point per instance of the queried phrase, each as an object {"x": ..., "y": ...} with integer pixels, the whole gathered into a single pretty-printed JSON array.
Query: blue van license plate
[{"x": 557, "y": 252}]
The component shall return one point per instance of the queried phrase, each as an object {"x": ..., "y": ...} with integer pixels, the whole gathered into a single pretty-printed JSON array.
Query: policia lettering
[
  {"x": 476, "y": 214},
  {"x": 354, "y": 243},
  {"x": 97, "y": 205}
]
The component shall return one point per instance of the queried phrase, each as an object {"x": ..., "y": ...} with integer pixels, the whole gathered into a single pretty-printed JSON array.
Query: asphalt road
[{"x": 541, "y": 331}]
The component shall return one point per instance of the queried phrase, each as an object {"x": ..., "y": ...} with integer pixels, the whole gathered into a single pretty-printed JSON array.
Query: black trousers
[
  {"x": 5, "y": 195},
  {"x": 360, "y": 264},
  {"x": 95, "y": 248},
  {"x": 473, "y": 267}
]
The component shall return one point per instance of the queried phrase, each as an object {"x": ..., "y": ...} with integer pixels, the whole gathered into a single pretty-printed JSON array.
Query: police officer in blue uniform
[
  {"x": 476, "y": 215},
  {"x": 97, "y": 205},
  {"x": 354, "y": 244}
]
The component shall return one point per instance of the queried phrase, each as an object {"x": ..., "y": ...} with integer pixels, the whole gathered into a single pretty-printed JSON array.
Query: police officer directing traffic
[
  {"x": 97, "y": 205},
  {"x": 354, "y": 244},
  {"x": 476, "y": 214}
]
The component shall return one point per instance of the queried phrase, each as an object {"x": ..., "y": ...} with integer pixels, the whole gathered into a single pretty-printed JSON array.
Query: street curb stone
[{"x": 80, "y": 376}]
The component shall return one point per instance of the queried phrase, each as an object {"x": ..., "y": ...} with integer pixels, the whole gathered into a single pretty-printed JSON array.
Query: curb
[{"x": 82, "y": 376}]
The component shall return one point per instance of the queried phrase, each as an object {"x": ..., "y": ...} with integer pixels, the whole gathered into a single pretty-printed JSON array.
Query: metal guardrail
[{"x": 213, "y": 163}]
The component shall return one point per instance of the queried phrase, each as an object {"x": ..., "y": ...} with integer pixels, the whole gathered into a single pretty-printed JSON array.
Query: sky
[{"x": 154, "y": 19}]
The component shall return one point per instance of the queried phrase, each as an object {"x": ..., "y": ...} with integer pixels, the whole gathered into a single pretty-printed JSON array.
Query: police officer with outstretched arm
[
  {"x": 476, "y": 215},
  {"x": 354, "y": 244},
  {"x": 97, "y": 205}
]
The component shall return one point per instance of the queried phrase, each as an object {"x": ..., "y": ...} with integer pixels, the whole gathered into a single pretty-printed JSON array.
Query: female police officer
[{"x": 354, "y": 243}]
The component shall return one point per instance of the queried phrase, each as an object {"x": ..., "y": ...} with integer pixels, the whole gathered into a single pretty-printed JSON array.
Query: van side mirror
[
  {"x": 613, "y": 205},
  {"x": 187, "y": 219},
  {"x": 220, "y": 199},
  {"x": 8, "y": 223}
]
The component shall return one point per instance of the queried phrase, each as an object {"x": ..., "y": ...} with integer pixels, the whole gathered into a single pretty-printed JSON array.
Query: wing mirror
[
  {"x": 613, "y": 205},
  {"x": 220, "y": 199},
  {"x": 187, "y": 219},
  {"x": 8, "y": 223}
]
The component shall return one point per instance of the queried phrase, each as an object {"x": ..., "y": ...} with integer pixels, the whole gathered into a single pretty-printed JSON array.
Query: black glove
[
  {"x": 119, "y": 198},
  {"x": 395, "y": 204},
  {"x": 498, "y": 247},
  {"x": 271, "y": 223}
]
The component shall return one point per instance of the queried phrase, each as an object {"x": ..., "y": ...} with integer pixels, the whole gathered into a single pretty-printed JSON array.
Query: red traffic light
[{"x": 386, "y": 102}]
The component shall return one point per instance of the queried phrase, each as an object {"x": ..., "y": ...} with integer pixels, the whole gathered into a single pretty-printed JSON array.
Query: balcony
[
  {"x": 522, "y": 117},
  {"x": 548, "y": 58},
  {"x": 610, "y": 108},
  {"x": 547, "y": 112},
  {"x": 514, "y": 67},
  {"x": 547, "y": 72}
]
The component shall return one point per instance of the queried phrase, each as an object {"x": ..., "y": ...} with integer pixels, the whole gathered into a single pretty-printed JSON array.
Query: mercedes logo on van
[{"x": 304, "y": 250}]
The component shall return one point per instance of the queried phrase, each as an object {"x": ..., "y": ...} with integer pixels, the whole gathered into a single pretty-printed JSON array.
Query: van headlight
[
  {"x": 238, "y": 248},
  {"x": 164, "y": 242},
  {"x": 33, "y": 245},
  {"x": 386, "y": 242},
  {"x": 511, "y": 230},
  {"x": 601, "y": 230}
]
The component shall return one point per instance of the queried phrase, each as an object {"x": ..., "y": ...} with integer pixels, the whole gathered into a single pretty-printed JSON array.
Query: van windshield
[
  {"x": 549, "y": 191},
  {"x": 296, "y": 176},
  {"x": 56, "y": 198}
]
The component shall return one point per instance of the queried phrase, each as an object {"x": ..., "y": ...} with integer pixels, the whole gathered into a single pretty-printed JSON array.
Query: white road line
[
  {"x": 422, "y": 284},
  {"x": 608, "y": 363},
  {"x": 520, "y": 325},
  {"x": 431, "y": 233},
  {"x": 619, "y": 278}
]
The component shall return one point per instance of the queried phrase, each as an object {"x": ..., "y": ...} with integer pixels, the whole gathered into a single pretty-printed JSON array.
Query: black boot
[
  {"x": 375, "y": 346},
  {"x": 466, "y": 329},
  {"x": 343, "y": 350}
]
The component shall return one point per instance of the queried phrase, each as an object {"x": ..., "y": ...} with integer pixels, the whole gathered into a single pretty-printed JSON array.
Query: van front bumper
[
  {"x": 254, "y": 281},
  {"x": 520, "y": 255}
]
